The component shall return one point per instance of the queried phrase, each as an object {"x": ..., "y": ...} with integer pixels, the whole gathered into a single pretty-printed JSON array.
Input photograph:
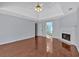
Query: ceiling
[{"x": 51, "y": 10}]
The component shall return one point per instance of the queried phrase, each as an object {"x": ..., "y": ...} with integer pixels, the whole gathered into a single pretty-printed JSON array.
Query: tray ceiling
[{"x": 51, "y": 10}]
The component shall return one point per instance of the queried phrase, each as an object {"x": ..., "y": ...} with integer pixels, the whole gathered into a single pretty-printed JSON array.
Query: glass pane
[{"x": 49, "y": 28}]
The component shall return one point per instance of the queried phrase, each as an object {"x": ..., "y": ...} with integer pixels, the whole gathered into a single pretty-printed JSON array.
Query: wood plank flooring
[{"x": 27, "y": 48}]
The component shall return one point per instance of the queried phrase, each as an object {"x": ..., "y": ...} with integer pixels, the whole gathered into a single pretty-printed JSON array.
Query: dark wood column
[
  {"x": 36, "y": 29},
  {"x": 36, "y": 35}
]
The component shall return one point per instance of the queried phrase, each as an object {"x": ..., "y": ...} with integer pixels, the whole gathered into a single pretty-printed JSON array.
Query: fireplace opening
[{"x": 66, "y": 36}]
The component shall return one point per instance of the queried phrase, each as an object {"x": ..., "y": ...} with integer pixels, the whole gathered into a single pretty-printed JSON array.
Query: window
[{"x": 49, "y": 28}]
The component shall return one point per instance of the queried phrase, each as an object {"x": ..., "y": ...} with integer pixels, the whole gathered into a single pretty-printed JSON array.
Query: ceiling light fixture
[
  {"x": 38, "y": 7},
  {"x": 70, "y": 9}
]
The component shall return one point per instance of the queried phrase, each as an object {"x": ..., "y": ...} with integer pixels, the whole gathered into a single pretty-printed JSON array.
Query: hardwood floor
[{"x": 27, "y": 47}]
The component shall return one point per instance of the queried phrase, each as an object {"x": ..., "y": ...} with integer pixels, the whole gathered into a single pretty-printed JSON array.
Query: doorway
[
  {"x": 49, "y": 29},
  {"x": 49, "y": 34}
]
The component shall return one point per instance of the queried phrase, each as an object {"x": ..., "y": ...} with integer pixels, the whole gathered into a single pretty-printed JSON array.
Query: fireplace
[{"x": 66, "y": 36}]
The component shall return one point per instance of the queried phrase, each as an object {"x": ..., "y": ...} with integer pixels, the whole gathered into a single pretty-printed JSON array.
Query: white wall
[
  {"x": 14, "y": 28},
  {"x": 68, "y": 25},
  {"x": 77, "y": 29},
  {"x": 41, "y": 29}
]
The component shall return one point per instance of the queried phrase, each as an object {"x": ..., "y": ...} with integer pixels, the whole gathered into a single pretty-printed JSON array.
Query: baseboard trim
[{"x": 23, "y": 38}]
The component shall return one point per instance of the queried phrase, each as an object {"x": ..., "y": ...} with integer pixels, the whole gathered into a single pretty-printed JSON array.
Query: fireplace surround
[{"x": 66, "y": 36}]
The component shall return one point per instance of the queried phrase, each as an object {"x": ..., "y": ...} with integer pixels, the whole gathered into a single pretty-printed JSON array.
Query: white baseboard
[{"x": 5, "y": 42}]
